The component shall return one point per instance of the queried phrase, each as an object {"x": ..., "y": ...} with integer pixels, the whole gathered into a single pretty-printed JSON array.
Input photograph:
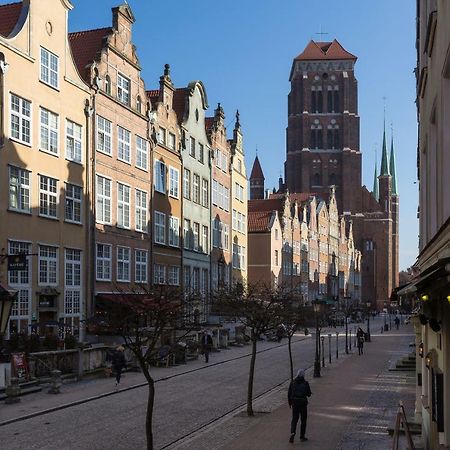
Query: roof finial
[
  {"x": 237, "y": 119},
  {"x": 384, "y": 171},
  {"x": 392, "y": 163},
  {"x": 321, "y": 33},
  {"x": 256, "y": 150}
]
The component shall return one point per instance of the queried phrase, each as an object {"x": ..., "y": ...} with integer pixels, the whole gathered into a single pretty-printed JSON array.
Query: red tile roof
[
  {"x": 86, "y": 45},
  {"x": 209, "y": 122},
  {"x": 179, "y": 102},
  {"x": 299, "y": 197},
  {"x": 258, "y": 221},
  {"x": 153, "y": 96},
  {"x": 9, "y": 15},
  {"x": 324, "y": 50},
  {"x": 256, "y": 170}
]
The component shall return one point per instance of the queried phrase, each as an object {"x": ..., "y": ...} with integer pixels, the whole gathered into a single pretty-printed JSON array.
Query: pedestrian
[
  {"x": 206, "y": 343},
  {"x": 118, "y": 363},
  {"x": 397, "y": 322},
  {"x": 298, "y": 394},
  {"x": 360, "y": 340},
  {"x": 280, "y": 333}
]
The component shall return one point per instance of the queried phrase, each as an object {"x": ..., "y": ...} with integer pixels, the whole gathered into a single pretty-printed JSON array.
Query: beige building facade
[{"x": 43, "y": 157}]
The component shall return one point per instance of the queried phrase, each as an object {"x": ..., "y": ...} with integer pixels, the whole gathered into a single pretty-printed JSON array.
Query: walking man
[
  {"x": 206, "y": 343},
  {"x": 298, "y": 394},
  {"x": 360, "y": 338},
  {"x": 397, "y": 322},
  {"x": 118, "y": 363}
]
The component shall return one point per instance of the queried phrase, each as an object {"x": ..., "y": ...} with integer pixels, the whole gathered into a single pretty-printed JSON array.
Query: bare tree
[
  {"x": 141, "y": 318},
  {"x": 259, "y": 309}
]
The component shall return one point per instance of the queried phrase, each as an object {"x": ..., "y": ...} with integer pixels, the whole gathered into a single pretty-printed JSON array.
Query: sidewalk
[
  {"x": 352, "y": 404},
  {"x": 78, "y": 392}
]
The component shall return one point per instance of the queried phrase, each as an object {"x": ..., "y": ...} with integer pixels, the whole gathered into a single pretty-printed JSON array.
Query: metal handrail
[{"x": 401, "y": 419}]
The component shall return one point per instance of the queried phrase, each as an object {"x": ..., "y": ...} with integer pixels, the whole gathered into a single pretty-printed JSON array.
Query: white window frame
[
  {"x": 141, "y": 211},
  {"x": 50, "y": 130},
  {"x": 196, "y": 188},
  {"x": 74, "y": 142},
  {"x": 141, "y": 153},
  {"x": 173, "y": 275},
  {"x": 174, "y": 182},
  {"x": 205, "y": 193},
  {"x": 103, "y": 200},
  {"x": 196, "y": 234},
  {"x": 48, "y": 196},
  {"x": 171, "y": 143},
  {"x": 21, "y": 188},
  {"x": 162, "y": 136},
  {"x": 159, "y": 274},
  {"x": 21, "y": 278},
  {"x": 73, "y": 268},
  {"x": 48, "y": 263},
  {"x": 160, "y": 176},
  {"x": 192, "y": 146},
  {"x": 123, "y": 262},
  {"x": 123, "y": 89},
  {"x": 123, "y": 145},
  {"x": 104, "y": 136},
  {"x": 73, "y": 203},
  {"x": 48, "y": 74},
  {"x": 103, "y": 262},
  {"x": 24, "y": 120},
  {"x": 141, "y": 266},
  {"x": 186, "y": 234},
  {"x": 205, "y": 239},
  {"x": 160, "y": 227},
  {"x": 174, "y": 231},
  {"x": 123, "y": 205},
  {"x": 186, "y": 183}
]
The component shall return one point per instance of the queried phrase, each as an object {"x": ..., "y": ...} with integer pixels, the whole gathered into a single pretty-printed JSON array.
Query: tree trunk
[
  {"x": 291, "y": 364},
  {"x": 149, "y": 416},
  {"x": 251, "y": 376}
]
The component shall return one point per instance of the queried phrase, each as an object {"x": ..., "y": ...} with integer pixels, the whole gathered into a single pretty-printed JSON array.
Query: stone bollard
[
  {"x": 55, "y": 383},
  {"x": 12, "y": 392}
]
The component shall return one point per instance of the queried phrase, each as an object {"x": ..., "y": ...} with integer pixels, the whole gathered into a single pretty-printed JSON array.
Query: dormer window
[
  {"x": 49, "y": 68},
  {"x": 123, "y": 89}
]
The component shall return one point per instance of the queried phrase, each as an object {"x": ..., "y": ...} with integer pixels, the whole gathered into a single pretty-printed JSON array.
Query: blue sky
[{"x": 243, "y": 52}]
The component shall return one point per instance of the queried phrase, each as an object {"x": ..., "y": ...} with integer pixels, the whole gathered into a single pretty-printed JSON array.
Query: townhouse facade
[{"x": 44, "y": 147}]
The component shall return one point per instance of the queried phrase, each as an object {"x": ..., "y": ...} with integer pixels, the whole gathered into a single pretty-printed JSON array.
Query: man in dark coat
[
  {"x": 298, "y": 394},
  {"x": 118, "y": 363},
  {"x": 206, "y": 344}
]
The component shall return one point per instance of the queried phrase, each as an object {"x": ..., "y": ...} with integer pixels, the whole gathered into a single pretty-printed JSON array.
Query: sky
[{"x": 243, "y": 50}]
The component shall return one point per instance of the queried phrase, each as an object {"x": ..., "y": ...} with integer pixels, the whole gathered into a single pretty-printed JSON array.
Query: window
[
  {"x": 123, "y": 89},
  {"x": 316, "y": 101},
  {"x": 108, "y": 85},
  {"x": 160, "y": 177},
  {"x": 72, "y": 267},
  {"x": 159, "y": 274},
  {"x": 139, "y": 104},
  {"x": 20, "y": 277},
  {"x": 47, "y": 196},
  {"x": 317, "y": 180},
  {"x": 216, "y": 232},
  {"x": 73, "y": 141},
  {"x": 103, "y": 209},
  {"x": 19, "y": 189},
  {"x": 48, "y": 265},
  {"x": 215, "y": 188},
  {"x": 239, "y": 222},
  {"x": 141, "y": 153},
  {"x": 238, "y": 257},
  {"x": 187, "y": 279},
  {"x": 196, "y": 280},
  {"x": 174, "y": 181},
  {"x": 141, "y": 211},
  {"x": 205, "y": 193},
  {"x": 123, "y": 205},
  {"x": 123, "y": 264},
  {"x": 276, "y": 258},
  {"x": 205, "y": 282},
  {"x": 225, "y": 237},
  {"x": 238, "y": 192},
  {"x": 171, "y": 141},
  {"x": 192, "y": 146},
  {"x": 333, "y": 99},
  {"x": 205, "y": 239},
  {"x": 196, "y": 233},
  {"x": 174, "y": 231},
  {"x": 187, "y": 234},
  {"x": 104, "y": 136},
  {"x": 160, "y": 228},
  {"x": 201, "y": 153},
  {"x": 72, "y": 210},
  {"x": 103, "y": 262},
  {"x": 173, "y": 275},
  {"x": 226, "y": 199},
  {"x": 162, "y": 135},
  {"x": 196, "y": 188},
  {"x": 316, "y": 138},
  {"x": 276, "y": 234},
  {"x": 49, "y": 68},
  {"x": 140, "y": 269},
  {"x": 187, "y": 184},
  {"x": 49, "y": 131},
  {"x": 20, "y": 119},
  {"x": 123, "y": 150}
]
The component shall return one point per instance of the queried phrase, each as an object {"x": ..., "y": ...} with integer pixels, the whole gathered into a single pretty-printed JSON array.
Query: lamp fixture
[{"x": 425, "y": 297}]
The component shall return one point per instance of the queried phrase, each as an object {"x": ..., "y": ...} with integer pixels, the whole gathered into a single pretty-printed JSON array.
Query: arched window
[
  {"x": 139, "y": 104},
  {"x": 333, "y": 99},
  {"x": 316, "y": 137},
  {"x": 317, "y": 180},
  {"x": 316, "y": 100},
  {"x": 108, "y": 84},
  {"x": 332, "y": 179},
  {"x": 329, "y": 138}
]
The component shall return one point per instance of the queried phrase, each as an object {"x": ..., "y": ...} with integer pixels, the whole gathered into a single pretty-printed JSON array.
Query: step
[{"x": 25, "y": 391}]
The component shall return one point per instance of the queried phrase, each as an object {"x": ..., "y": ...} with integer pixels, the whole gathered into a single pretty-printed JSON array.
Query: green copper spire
[
  {"x": 375, "y": 191},
  {"x": 384, "y": 161},
  {"x": 392, "y": 167}
]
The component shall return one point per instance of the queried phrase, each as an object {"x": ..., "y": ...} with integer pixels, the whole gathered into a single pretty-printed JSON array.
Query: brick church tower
[
  {"x": 323, "y": 124},
  {"x": 323, "y": 150}
]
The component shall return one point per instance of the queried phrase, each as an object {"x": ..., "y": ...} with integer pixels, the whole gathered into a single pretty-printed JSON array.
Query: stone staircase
[
  {"x": 29, "y": 387},
  {"x": 405, "y": 364}
]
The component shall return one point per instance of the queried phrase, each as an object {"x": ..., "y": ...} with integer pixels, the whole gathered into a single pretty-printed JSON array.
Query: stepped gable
[
  {"x": 86, "y": 47},
  {"x": 9, "y": 16}
]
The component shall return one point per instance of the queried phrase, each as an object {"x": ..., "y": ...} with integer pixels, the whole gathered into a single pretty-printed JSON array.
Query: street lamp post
[
  {"x": 316, "y": 307},
  {"x": 369, "y": 304},
  {"x": 337, "y": 344},
  {"x": 329, "y": 348},
  {"x": 346, "y": 298},
  {"x": 322, "y": 338}
]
